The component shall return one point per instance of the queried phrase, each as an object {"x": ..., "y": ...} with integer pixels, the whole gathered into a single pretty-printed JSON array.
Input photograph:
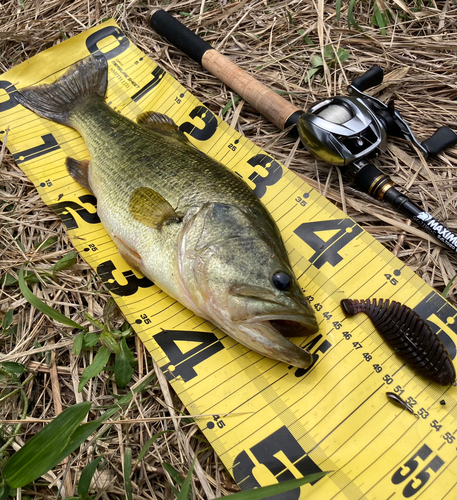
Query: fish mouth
[
  {"x": 267, "y": 335},
  {"x": 289, "y": 325}
]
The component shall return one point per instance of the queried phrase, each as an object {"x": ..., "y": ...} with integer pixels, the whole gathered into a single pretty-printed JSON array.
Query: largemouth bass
[{"x": 181, "y": 218}]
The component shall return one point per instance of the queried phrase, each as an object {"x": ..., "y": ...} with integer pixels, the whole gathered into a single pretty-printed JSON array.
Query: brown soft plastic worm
[{"x": 409, "y": 336}]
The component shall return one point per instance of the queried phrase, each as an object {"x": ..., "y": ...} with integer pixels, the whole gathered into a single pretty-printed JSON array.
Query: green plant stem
[
  {"x": 17, "y": 430},
  {"x": 12, "y": 393}
]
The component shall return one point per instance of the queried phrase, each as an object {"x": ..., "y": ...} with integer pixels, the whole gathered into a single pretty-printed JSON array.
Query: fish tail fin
[{"x": 56, "y": 101}]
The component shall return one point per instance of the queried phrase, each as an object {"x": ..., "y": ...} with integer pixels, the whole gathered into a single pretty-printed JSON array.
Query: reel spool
[{"x": 342, "y": 130}]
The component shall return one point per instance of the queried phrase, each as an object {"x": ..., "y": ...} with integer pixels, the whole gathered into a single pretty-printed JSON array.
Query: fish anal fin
[
  {"x": 128, "y": 253},
  {"x": 162, "y": 124},
  {"x": 79, "y": 170},
  {"x": 152, "y": 209}
]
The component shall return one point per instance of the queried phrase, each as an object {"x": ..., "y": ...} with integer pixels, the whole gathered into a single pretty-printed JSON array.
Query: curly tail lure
[{"x": 409, "y": 336}]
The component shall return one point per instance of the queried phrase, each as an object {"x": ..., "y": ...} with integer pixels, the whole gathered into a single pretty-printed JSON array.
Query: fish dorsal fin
[
  {"x": 79, "y": 170},
  {"x": 160, "y": 123},
  {"x": 152, "y": 209}
]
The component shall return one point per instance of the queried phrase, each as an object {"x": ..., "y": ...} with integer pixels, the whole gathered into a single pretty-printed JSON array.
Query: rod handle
[
  {"x": 179, "y": 35},
  {"x": 272, "y": 106}
]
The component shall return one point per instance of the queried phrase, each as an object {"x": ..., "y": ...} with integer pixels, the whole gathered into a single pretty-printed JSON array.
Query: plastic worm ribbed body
[{"x": 409, "y": 335}]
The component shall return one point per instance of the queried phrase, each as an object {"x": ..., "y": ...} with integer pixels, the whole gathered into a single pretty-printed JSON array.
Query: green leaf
[
  {"x": 13, "y": 367},
  {"x": 338, "y": 10},
  {"x": 5, "y": 491},
  {"x": 316, "y": 61},
  {"x": 8, "y": 280},
  {"x": 41, "y": 306},
  {"x": 231, "y": 103},
  {"x": 328, "y": 52},
  {"x": 149, "y": 443},
  {"x": 123, "y": 370},
  {"x": 351, "y": 19},
  {"x": 379, "y": 19},
  {"x": 107, "y": 339},
  {"x": 8, "y": 319},
  {"x": 79, "y": 436},
  {"x": 65, "y": 262},
  {"x": 97, "y": 365},
  {"x": 184, "y": 493},
  {"x": 46, "y": 243},
  {"x": 44, "y": 450},
  {"x": 78, "y": 344},
  {"x": 91, "y": 340},
  {"x": 291, "y": 21},
  {"x": 448, "y": 287},
  {"x": 276, "y": 489},
  {"x": 175, "y": 475},
  {"x": 86, "y": 477},
  {"x": 308, "y": 40},
  {"x": 311, "y": 73},
  {"x": 343, "y": 55},
  {"x": 128, "y": 472}
]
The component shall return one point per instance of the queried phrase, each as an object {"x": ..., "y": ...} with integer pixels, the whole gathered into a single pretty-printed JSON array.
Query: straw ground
[{"x": 279, "y": 42}]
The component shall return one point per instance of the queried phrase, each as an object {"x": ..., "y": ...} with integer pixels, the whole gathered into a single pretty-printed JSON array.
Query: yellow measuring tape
[{"x": 290, "y": 422}]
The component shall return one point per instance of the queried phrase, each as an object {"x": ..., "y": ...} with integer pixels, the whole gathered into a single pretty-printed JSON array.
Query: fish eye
[{"x": 282, "y": 281}]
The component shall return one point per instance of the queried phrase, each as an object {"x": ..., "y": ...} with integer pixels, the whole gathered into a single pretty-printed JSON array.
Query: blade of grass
[
  {"x": 185, "y": 488},
  {"x": 351, "y": 19},
  {"x": 97, "y": 365},
  {"x": 128, "y": 472},
  {"x": 276, "y": 489},
  {"x": 338, "y": 10},
  {"x": 86, "y": 477},
  {"x": 44, "y": 450},
  {"x": 448, "y": 286},
  {"x": 41, "y": 306},
  {"x": 149, "y": 443}
]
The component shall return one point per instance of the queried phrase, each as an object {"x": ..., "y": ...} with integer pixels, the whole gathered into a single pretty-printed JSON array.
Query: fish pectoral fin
[
  {"x": 128, "y": 253},
  {"x": 152, "y": 209},
  {"x": 162, "y": 124},
  {"x": 79, "y": 170}
]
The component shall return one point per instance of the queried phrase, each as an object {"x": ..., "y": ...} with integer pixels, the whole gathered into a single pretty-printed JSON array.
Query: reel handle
[
  {"x": 442, "y": 139},
  {"x": 370, "y": 78},
  {"x": 272, "y": 106}
]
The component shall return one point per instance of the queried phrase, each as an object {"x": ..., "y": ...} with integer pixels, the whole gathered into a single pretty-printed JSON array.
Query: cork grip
[{"x": 275, "y": 108}]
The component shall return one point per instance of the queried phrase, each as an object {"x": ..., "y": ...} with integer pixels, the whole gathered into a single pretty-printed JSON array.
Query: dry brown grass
[{"x": 266, "y": 39}]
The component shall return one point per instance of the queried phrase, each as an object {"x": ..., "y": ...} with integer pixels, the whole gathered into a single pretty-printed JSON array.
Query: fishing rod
[{"x": 347, "y": 131}]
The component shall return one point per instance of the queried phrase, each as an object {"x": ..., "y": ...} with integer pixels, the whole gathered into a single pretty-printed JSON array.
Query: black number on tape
[
  {"x": 105, "y": 271},
  {"x": 273, "y": 169},
  {"x": 201, "y": 134},
  {"x": 322, "y": 348},
  {"x": 10, "y": 90},
  {"x": 157, "y": 76},
  {"x": 62, "y": 210},
  {"x": 49, "y": 144},
  {"x": 122, "y": 42},
  {"x": 422, "y": 477},
  {"x": 271, "y": 459},
  {"x": 183, "y": 364},
  {"x": 327, "y": 250},
  {"x": 442, "y": 318}
]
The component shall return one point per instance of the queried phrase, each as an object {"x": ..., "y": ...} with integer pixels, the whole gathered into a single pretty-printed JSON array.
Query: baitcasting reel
[{"x": 348, "y": 131}]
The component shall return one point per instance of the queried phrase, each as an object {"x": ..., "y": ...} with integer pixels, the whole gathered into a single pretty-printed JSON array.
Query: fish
[{"x": 181, "y": 218}]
